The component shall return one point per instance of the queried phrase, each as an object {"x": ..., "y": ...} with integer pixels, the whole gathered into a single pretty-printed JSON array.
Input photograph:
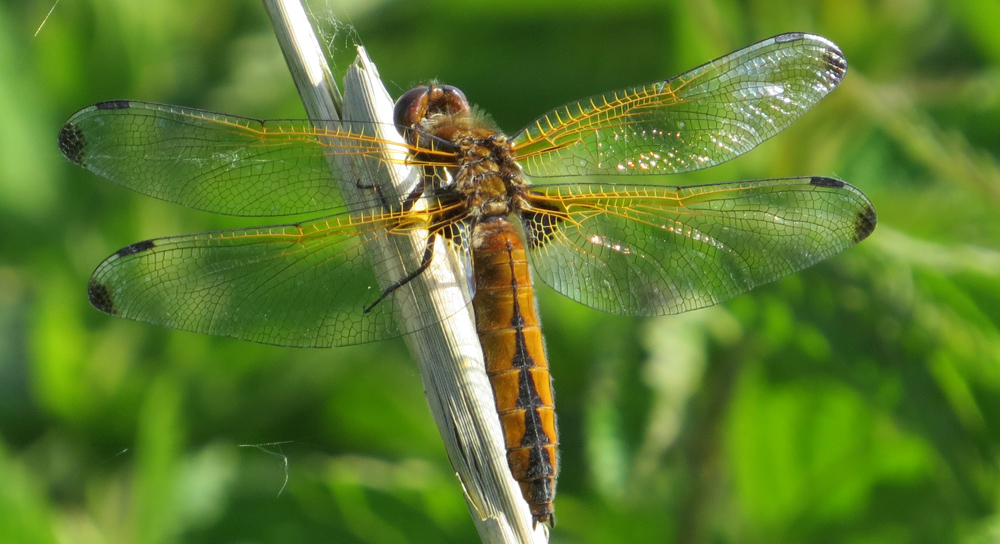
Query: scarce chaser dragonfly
[{"x": 633, "y": 249}]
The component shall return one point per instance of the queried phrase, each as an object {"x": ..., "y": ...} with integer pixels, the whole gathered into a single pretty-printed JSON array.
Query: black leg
[
  {"x": 378, "y": 192},
  {"x": 425, "y": 262},
  {"x": 408, "y": 203},
  {"x": 415, "y": 194}
]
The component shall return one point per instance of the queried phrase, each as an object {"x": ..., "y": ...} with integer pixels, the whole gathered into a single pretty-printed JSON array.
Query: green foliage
[{"x": 856, "y": 402}]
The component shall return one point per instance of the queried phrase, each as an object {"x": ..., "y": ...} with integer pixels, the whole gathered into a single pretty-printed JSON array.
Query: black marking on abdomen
[
  {"x": 522, "y": 359},
  {"x": 137, "y": 247},
  {"x": 541, "y": 488},
  {"x": 72, "y": 143},
  {"x": 534, "y": 435},
  {"x": 113, "y": 105},
  {"x": 100, "y": 297},
  {"x": 539, "y": 466},
  {"x": 527, "y": 394}
]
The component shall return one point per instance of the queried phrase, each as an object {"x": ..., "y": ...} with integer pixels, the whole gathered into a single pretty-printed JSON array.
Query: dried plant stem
[{"x": 448, "y": 354}]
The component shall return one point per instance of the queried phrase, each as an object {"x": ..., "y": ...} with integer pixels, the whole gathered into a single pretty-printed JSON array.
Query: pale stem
[{"x": 434, "y": 307}]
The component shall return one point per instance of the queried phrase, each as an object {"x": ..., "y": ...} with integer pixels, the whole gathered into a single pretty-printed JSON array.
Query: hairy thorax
[{"x": 485, "y": 176}]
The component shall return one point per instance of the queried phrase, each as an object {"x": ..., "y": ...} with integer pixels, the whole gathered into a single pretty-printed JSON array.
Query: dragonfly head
[{"x": 426, "y": 101}]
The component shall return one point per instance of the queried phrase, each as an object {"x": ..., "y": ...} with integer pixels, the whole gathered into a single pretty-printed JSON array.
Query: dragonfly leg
[
  {"x": 425, "y": 262},
  {"x": 415, "y": 194},
  {"x": 408, "y": 203},
  {"x": 378, "y": 192}
]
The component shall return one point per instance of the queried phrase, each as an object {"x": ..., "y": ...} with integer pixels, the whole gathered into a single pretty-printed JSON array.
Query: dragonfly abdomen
[{"x": 514, "y": 351}]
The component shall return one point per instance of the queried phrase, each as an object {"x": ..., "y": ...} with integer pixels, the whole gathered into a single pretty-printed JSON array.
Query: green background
[{"x": 855, "y": 402}]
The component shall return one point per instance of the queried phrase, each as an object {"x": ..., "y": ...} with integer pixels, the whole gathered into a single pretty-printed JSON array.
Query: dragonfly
[{"x": 636, "y": 249}]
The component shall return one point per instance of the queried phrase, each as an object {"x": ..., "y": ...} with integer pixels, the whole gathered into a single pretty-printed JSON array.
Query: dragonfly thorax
[
  {"x": 484, "y": 175},
  {"x": 487, "y": 176}
]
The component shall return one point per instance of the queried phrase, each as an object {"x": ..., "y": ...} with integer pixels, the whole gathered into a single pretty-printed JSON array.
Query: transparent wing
[
  {"x": 224, "y": 163},
  {"x": 707, "y": 116},
  {"x": 650, "y": 250},
  {"x": 306, "y": 284}
]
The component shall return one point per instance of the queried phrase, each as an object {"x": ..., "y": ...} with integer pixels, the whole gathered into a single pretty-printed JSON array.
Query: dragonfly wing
[
  {"x": 652, "y": 250},
  {"x": 704, "y": 117},
  {"x": 222, "y": 163},
  {"x": 306, "y": 284}
]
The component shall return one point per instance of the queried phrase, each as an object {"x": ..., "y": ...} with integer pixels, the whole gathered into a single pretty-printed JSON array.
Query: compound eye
[
  {"x": 411, "y": 108},
  {"x": 447, "y": 99}
]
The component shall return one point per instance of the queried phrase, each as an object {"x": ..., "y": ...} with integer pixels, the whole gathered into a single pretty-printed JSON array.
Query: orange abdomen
[{"x": 514, "y": 351}]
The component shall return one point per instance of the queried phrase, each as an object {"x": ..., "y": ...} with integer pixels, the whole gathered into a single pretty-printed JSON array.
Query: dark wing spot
[
  {"x": 835, "y": 59},
  {"x": 113, "y": 105},
  {"x": 539, "y": 227},
  {"x": 789, "y": 37},
  {"x": 72, "y": 143},
  {"x": 826, "y": 182},
  {"x": 100, "y": 297},
  {"x": 453, "y": 233},
  {"x": 137, "y": 247},
  {"x": 864, "y": 224}
]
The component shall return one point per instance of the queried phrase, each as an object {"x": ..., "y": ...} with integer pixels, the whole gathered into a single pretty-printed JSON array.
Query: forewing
[
  {"x": 224, "y": 163},
  {"x": 649, "y": 250},
  {"x": 704, "y": 117},
  {"x": 306, "y": 284}
]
